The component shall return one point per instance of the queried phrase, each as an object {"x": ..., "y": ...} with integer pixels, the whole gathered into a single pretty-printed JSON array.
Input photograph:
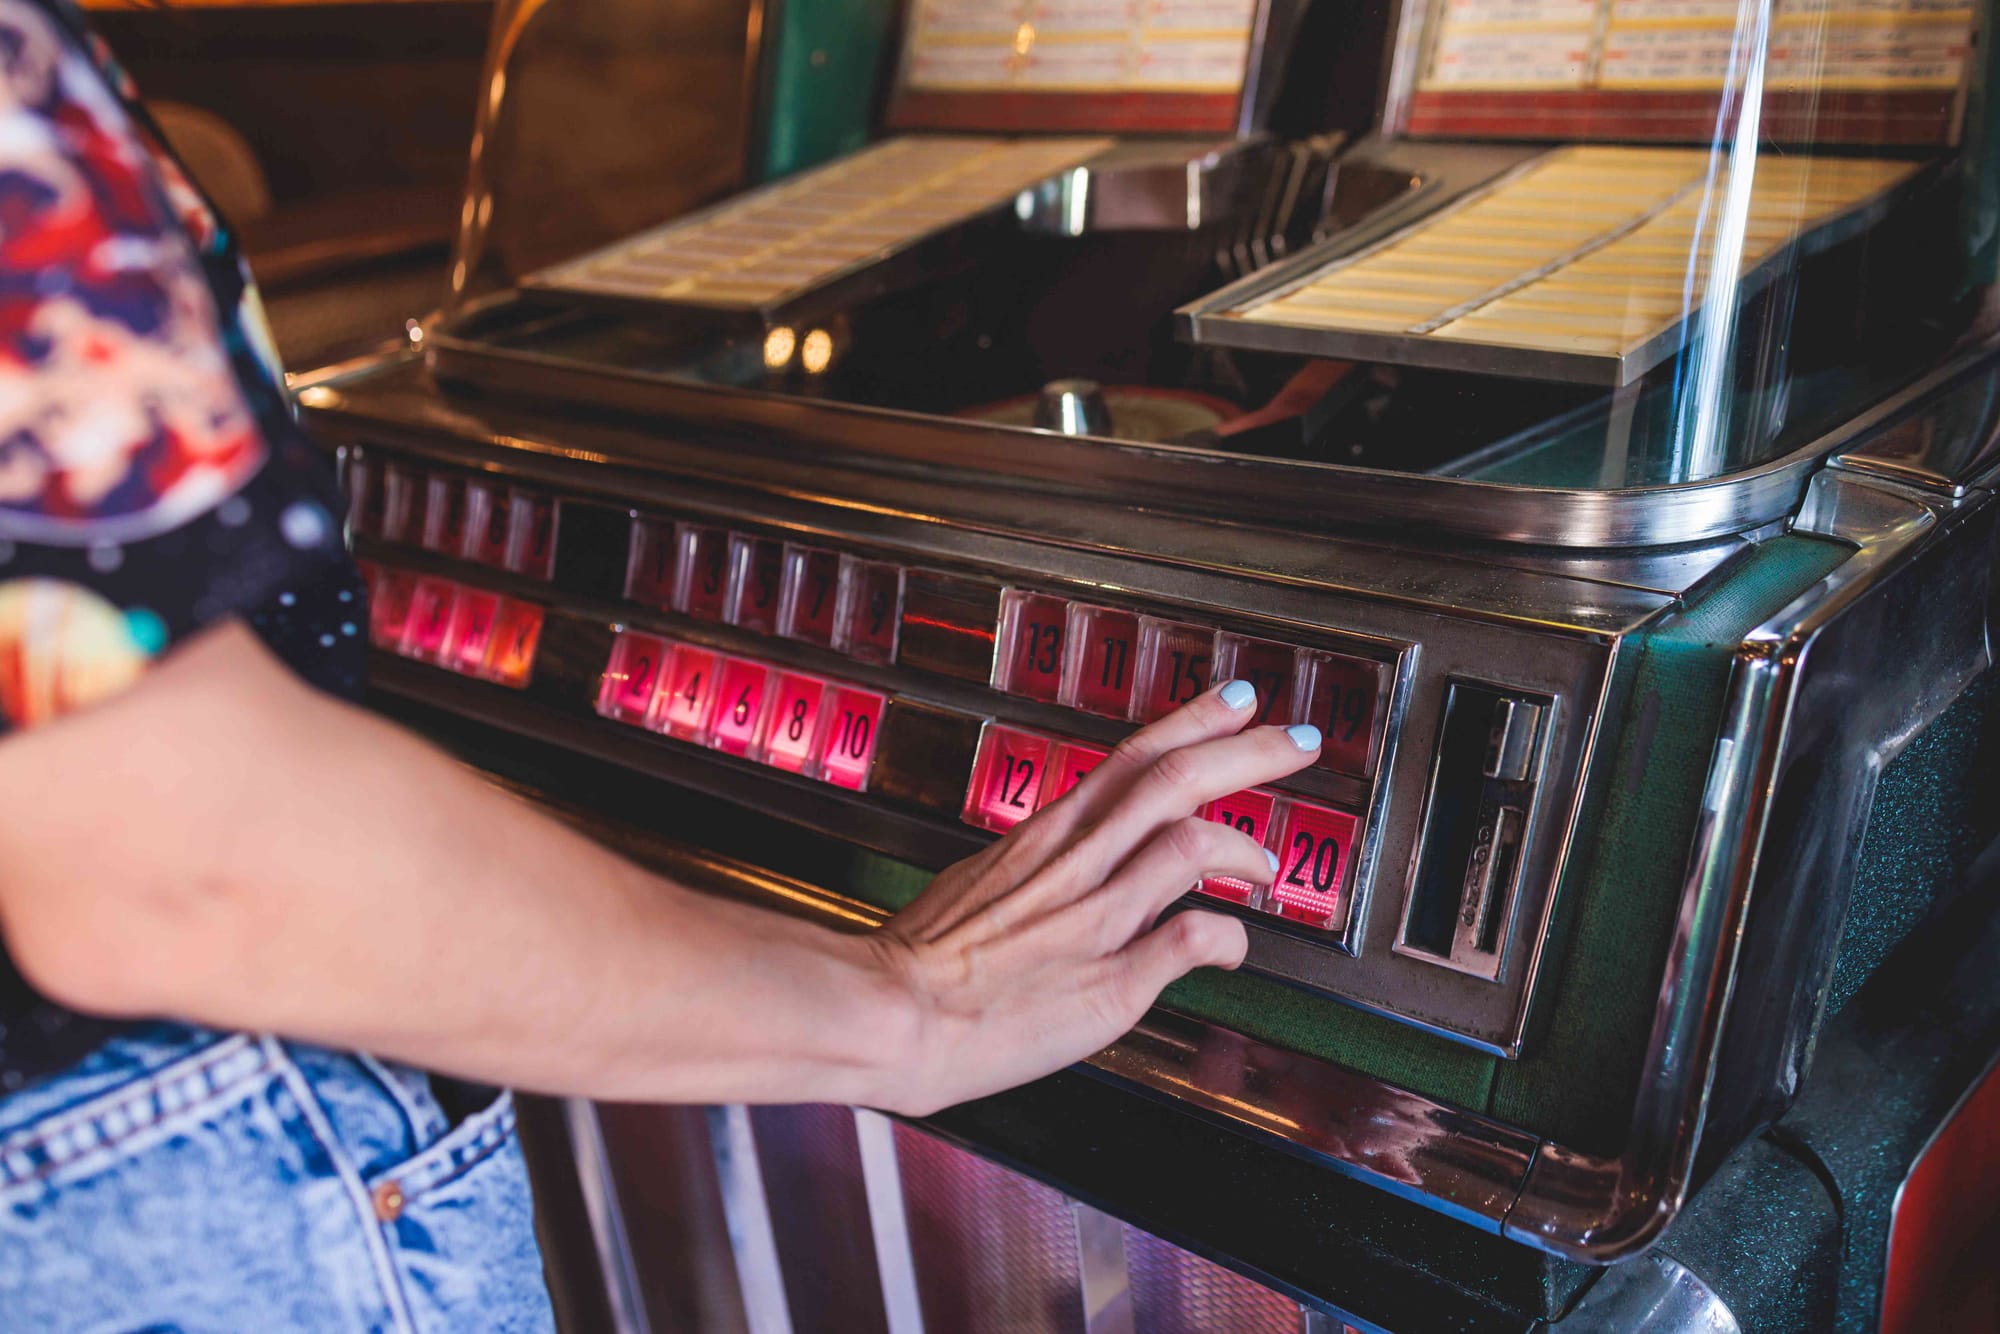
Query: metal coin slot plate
[{"x": 1464, "y": 885}]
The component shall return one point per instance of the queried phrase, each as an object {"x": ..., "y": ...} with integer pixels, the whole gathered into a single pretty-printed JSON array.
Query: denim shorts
[{"x": 183, "y": 1180}]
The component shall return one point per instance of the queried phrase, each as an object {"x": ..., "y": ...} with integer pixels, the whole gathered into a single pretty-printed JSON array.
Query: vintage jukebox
[{"x": 847, "y": 421}]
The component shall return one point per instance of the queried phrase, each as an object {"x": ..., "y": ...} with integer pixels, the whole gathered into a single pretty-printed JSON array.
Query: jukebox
[{"x": 848, "y": 420}]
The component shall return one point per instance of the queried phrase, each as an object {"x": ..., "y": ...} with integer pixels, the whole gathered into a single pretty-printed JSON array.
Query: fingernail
[
  {"x": 1304, "y": 735},
  {"x": 1272, "y": 858},
  {"x": 1239, "y": 694}
]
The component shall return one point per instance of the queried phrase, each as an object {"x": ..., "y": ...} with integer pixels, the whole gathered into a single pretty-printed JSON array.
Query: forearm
[{"x": 257, "y": 856}]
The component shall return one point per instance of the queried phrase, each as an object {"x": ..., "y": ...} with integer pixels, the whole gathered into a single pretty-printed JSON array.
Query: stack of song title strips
[
  {"x": 763, "y": 249},
  {"x": 1835, "y": 71},
  {"x": 1597, "y": 255}
]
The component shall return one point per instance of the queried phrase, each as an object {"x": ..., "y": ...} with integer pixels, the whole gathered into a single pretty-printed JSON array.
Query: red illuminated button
[
  {"x": 531, "y": 533},
  {"x": 1030, "y": 659},
  {"x": 739, "y": 705},
  {"x": 632, "y": 678},
  {"x": 430, "y": 619},
  {"x": 488, "y": 514},
  {"x": 517, "y": 630},
  {"x": 871, "y": 609},
  {"x": 1102, "y": 658},
  {"x": 791, "y": 728},
  {"x": 811, "y": 595},
  {"x": 853, "y": 723},
  {"x": 690, "y": 693},
  {"x": 650, "y": 564},
  {"x": 1177, "y": 663},
  {"x": 1271, "y": 667},
  {"x": 1250, "y": 813},
  {"x": 472, "y": 622},
  {"x": 444, "y": 515},
  {"x": 403, "y": 491},
  {"x": 1313, "y": 847},
  {"x": 389, "y": 612},
  {"x": 1342, "y": 695},
  {"x": 704, "y": 557},
  {"x": 1067, "y": 766},
  {"x": 1006, "y": 778},
  {"x": 757, "y": 576}
]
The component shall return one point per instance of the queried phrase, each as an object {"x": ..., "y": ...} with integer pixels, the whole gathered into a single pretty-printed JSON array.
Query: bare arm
[{"x": 224, "y": 845}]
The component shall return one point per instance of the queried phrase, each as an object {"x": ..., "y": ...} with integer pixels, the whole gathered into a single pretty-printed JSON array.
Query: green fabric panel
[
  {"x": 1273, "y": 1012},
  {"x": 825, "y": 59},
  {"x": 1934, "y": 812},
  {"x": 1577, "y": 1085}
]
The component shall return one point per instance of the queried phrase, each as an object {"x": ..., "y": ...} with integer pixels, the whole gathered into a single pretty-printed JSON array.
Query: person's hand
[{"x": 1044, "y": 947}]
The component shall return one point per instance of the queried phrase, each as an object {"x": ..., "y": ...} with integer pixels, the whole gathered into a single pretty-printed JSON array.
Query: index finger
[{"x": 1221, "y": 711}]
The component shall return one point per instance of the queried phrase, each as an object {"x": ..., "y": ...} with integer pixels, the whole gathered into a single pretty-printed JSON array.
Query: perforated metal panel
[
  {"x": 995, "y": 1252},
  {"x": 1177, "y": 1292}
]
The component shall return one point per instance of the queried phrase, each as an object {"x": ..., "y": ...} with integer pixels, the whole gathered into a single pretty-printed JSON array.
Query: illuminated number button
[
  {"x": 444, "y": 515},
  {"x": 690, "y": 694},
  {"x": 791, "y": 728},
  {"x": 853, "y": 723},
  {"x": 739, "y": 705},
  {"x": 389, "y": 611},
  {"x": 1006, "y": 778},
  {"x": 403, "y": 491},
  {"x": 430, "y": 619},
  {"x": 517, "y": 630},
  {"x": 704, "y": 560},
  {"x": 632, "y": 678},
  {"x": 1030, "y": 660},
  {"x": 1270, "y": 667},
  {"x": 1177, "y": 664},
  {"x": 1250, "y": 813},
  {"x": 1342, "y": 696},
  {"x": 757, "y": 576},
  {"x": 811, "y": 595},
  {"x": 487, "y": 516},
  {"x": 650, "y": 564},
  {"x": 472, "y": 622},
  {"x": 1102, "y": 658},
  {"x": 871, "y": 609},
  {"x": 531, "y": 533},
  {"x": 1067, "y": 766},
  {"x": 1313, "y": 846}
]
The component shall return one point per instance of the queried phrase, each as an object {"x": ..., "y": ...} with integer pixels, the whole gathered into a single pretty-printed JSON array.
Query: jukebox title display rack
[{"x": 1557, "y": 910}]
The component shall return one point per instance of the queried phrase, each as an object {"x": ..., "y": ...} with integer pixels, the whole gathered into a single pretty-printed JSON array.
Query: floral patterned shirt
[{"x": 153, "y": 479}]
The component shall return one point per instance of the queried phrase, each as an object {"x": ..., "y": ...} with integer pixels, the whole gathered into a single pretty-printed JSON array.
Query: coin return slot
[{"x": 1462, "y": 897}]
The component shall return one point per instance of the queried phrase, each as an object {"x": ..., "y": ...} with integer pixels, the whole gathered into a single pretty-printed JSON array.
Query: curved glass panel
[{"x": 1580, "y": 244}]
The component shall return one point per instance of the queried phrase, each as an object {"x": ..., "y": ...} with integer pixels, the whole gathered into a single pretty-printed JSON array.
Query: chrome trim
[
  {"x": 607, "y": 1219},
  {"x": 761, "y": 425},
  {"x": 1103, "y": 1277},
  {"x": 752, "y": 1242},
  {"x": 1655, "y": 1294},
  {"x": 889, "y": 1222}
]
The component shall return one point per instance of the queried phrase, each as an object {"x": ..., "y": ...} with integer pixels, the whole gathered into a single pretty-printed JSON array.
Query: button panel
[
  {"x": 454, "y": 514},
  {"x": 796, "y": 721},
  {"x": 466, "y": 630},
  {"x": 1017, "y": 772}
]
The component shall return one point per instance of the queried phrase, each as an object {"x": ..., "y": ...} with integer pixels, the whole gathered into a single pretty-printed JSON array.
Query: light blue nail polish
[
  {"x": 1304, "y": 735},
  {"x": 1272, "y": 858},
  {"x": 1239, "y": 694}
]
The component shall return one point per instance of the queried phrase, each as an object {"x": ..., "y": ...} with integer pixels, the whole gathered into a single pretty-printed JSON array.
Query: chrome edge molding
[{"x": 1182, "y": 476}]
